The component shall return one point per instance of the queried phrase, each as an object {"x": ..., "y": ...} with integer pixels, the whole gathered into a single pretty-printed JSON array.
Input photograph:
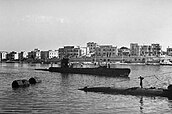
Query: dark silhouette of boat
[
  {"x": 101, "y": 70},
  {"x": 132, "y": 91}
]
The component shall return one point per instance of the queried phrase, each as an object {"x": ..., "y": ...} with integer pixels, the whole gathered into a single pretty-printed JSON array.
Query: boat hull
[
  {"x": 112, "y": 72},
  {"x": 130, "y": 91}
]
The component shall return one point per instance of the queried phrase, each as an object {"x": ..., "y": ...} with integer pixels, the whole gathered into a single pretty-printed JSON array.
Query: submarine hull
[
  {"x": 112, "y": 72},
  {"x": 130, "y": 91}
]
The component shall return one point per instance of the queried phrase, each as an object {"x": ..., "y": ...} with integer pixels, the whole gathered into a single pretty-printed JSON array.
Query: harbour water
[{"x": 59, "y": 94}]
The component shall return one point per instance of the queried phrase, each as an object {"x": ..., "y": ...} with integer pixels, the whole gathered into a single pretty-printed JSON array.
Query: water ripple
[{"x": 58, "y": 93}]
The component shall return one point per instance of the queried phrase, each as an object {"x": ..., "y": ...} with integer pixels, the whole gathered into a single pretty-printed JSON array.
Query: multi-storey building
[
  {"x": 145, "y": 50},
  {"x": 53, "y": 54},
  {"x": 84, "y": 51},
  {"x": 169, "y": 51},
  {"x": 44, "y": 55},
  {"x": 150, "y": 50},
  {"x": 134, "y": 49},
  {"x": 92, "y": 46},
  {"x": 23, "y": 55},
  {"x": 16, "y": 56},
  {"x": 156, "y": 49},
  {"x": 69, "y": 51},
  {"x": 12, "y": 56},
  {"x": 106, "y": 51},
  {"x": 3, "y": 55},
  {"x": 36, "y": 54}
]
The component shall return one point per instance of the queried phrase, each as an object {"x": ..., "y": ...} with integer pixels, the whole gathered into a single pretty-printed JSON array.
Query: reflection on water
[
  {"x": 141, "y": 104},
  {"x": 58, "y": 93}
]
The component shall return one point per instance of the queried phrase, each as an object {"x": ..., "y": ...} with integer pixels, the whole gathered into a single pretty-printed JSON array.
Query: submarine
[
  {"x": 137, "y": 91},
  {"x": 99, "y": 71}
]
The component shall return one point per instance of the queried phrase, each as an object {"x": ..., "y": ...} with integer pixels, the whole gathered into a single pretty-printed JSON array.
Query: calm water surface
[{"x": 59, "y": 94}]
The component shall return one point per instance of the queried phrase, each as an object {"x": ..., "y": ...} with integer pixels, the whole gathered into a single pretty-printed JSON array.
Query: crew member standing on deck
[{"x": 141, "y": 83}]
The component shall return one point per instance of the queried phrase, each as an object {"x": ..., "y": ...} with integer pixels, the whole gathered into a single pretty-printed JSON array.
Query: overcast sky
[{"x": 50, "y": 24}]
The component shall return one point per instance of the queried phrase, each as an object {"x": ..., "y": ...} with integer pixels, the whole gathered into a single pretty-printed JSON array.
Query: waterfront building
[
  {"x": 145, "y": 50},
  {"x": 31, "y": 55},
  {"x": 16, "y": 56},
  {"x": 92, "y": 46},
  {"x": 106, "y": 51},
  {"x": 44, "y": 55},
  {"x": 23, "y": 55},
  {"x": 69, "y": 51},
  {"x": 156, "y": 50},
  {"x": 3, "y": 55},
  {"x": 36, "y": 54},
  {"x": 123, "y": 51},
  {"x": 53, "y": 54},
  {"x": 153, "y": 50},
  {"x": 134, "y": 49},
  {"x": 12, "y": 56},
  {"x": 84, "y": 51},
  {"x": 169, "y": 51},
  {"x": 163, "y": 53}
]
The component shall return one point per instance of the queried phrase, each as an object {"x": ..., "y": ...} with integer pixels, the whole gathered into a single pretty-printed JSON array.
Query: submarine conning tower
[{"x": 65, "y": 63}]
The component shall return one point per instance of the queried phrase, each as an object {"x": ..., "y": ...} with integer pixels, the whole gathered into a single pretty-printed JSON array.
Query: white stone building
[{"x": 53, "y": 54}]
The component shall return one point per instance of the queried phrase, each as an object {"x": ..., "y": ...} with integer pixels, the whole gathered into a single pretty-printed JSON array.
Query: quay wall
[{"x": 116, "y": 59}]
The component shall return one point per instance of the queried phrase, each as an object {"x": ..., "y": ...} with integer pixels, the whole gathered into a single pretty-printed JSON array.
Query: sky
[{"x": 50, "y": 24}]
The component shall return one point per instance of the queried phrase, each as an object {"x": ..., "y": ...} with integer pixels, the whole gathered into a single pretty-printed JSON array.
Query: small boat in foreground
[
  {"x": 132, "y": 91},
  {"x": 101, "y": 70}
]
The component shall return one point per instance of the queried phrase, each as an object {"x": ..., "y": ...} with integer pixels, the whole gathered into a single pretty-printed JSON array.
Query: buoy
[
  {"x": 34, "y": 80},
  {"x": 20, "y": 83}
]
